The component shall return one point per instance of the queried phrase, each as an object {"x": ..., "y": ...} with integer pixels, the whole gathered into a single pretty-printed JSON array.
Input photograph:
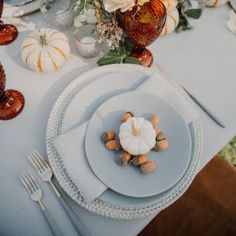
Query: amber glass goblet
[
  {"x": 8, "y": 33},
  {"x": 143, "y": 25},
  {"x": 11, "y": 101}
]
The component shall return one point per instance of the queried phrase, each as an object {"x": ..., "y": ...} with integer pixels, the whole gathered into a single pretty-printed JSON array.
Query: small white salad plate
[{"x": 171, "y": 163}]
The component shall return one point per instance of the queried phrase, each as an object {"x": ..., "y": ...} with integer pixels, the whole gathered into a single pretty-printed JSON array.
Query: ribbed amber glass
[{"x": 144, "y": 25}]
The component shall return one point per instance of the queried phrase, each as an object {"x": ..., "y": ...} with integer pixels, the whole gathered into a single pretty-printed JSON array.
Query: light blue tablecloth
[{"x": 203, "y": 60}]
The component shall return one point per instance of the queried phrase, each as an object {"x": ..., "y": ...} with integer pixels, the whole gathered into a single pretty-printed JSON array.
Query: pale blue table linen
[{"x": 203, "y": 60}]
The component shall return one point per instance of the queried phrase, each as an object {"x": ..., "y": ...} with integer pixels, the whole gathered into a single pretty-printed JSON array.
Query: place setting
[
  {"x": 134, "y": 153},
  {"x": 90, "y": 143}
]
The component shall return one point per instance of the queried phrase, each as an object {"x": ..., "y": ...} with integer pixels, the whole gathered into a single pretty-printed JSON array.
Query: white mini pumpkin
[
  {"x": 216, "y": 3},
  {"x": 170, "y": 5},
  {"x": 172, "y": 22},
  {"x": 45, "y": 50},
  {"x": 137, "y": 136}
]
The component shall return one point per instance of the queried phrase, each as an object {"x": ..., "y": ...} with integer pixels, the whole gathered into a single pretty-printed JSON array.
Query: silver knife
[{"x": 212, "y": 116}]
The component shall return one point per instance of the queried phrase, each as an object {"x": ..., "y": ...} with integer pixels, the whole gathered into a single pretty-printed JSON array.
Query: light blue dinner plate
[{"x": 171, "y": 163}]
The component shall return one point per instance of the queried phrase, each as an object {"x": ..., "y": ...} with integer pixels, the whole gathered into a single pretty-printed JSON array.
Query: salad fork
[
  {"x": 43, "y": 169},
  {"x": 36, "y": 194},
  {"x": 45, "y": 172}
]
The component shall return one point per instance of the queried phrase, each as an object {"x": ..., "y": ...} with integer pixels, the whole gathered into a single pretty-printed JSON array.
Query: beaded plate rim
[{"x": 98, "y": 206}]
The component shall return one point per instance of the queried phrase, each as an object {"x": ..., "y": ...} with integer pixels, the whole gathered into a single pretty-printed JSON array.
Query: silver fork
[
  {"x": 45, "y": 172},
  {"x": 36, "y": 194},
  {"x": 42, "y": 168},
  {"x": 34, "y": 190}
]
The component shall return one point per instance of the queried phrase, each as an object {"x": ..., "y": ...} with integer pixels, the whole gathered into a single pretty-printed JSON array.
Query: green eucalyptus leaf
[
  {"x": 132, "y": 60},
  {"x": 194, "y": 13},
  {"x": 110, "y": 60},
  {"x": 114, "y": 56},
  {"x": 186, "y": 10},
  {"x": 183, "y": 24}
]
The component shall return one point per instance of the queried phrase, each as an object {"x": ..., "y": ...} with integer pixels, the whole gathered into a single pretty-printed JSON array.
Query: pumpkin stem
[
  {"x": 135, "y": 131},
  {"x": 43, "y": 41}
]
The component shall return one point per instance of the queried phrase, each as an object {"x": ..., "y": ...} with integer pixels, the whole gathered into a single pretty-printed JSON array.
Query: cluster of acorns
[{"x": 123, "y": 158}]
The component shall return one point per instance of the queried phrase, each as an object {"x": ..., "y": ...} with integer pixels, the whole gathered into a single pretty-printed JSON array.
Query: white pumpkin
[
  {"x": 137, "y": 136},
  {"x": 216, "y": 3},
  {"x": 172, "y": 22},
  {"x": 170, "y": 5},
  {"x": 45, "y": 50}
]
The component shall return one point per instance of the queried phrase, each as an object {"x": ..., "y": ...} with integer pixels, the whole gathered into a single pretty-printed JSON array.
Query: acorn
[
  {"x": 160, "y": 136},
  {"x": 109, "y": 135},
  {"x": 139, "y": 160},
  {"x": 113, "y": 145},
  {"x": 148, "y": 167},
  {"x": 161, "y": 145},
  {"x": 155, "y": 120},
  {"x": 126, "y": 116},
  {"x": 123, "y": 158}
]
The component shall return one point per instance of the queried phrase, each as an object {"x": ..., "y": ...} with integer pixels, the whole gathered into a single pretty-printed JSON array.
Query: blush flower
[
  {"x": 122, "y": 5},
  {"x": 141, "y": 2}
]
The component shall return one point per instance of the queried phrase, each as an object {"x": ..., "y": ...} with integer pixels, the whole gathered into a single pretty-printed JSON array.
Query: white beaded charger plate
[{"x": 91, "y": 89}]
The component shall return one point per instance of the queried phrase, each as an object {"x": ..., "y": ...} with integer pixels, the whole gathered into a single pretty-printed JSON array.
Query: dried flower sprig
[{"x": 110, "y": 33}]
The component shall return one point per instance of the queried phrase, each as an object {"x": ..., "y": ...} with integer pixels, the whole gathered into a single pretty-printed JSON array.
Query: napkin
[{"x": 70, "y": 145}]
